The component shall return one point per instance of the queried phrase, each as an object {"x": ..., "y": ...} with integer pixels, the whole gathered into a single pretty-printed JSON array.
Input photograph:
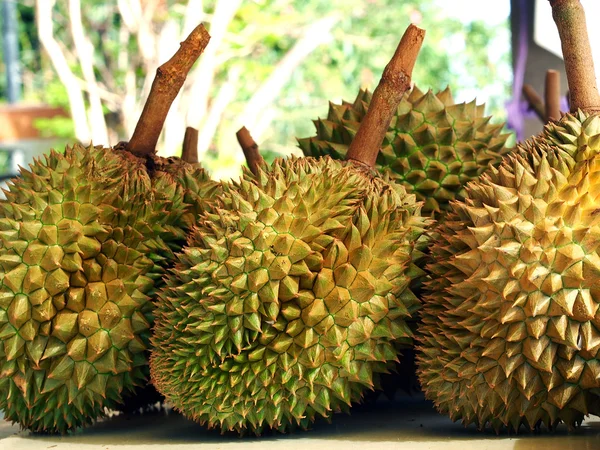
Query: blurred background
[{"x": 80, "y": 70}]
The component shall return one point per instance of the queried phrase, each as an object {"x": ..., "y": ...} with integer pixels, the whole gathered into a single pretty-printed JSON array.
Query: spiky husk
[
  {"x": 73, "y": 292},
  {"x": 76, "y": 275},
  {"x": 176, "y": 194},
  {"x": 288, "y": 300},
  {"x": 433, "y": 146},
  {"x": 179, "y": 193},
  {"x": 511, "y": 321}
]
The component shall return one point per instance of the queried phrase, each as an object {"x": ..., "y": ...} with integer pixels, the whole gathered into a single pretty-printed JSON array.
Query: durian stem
[
  {"x": 394, "y": 82},
  {"x": 253, "y": 157},
  {"x": 577, "y": 52},
  {"x": 166, "y": 85},
  {"x": 549, "y": 109},
  {"x": 190, "y": 146},
  {"x": 552, "y": 95},
  {"x": 535, "y": 101}
]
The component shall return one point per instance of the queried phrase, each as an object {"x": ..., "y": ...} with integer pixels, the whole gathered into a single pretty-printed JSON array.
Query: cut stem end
[
  {"x": 189, "y": 152},
  {"x": 569, "y": 17},
  {"x": 253, "y": 157},
  {"x": 165, "y": 87},
  {"x": 395, "y": 81}
]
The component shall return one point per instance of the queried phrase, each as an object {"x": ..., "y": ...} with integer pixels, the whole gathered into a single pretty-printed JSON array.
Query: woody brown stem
[
  {"x": 535, "y": 101},
  {"x": 552, "y": 95},
  {"x": 253, "y": 157},
  {"x": 570, "y": 21},
  {"x": 394, "y": 82},
  {"x": 190, "y": 146},
  {"x": 166, "y": 85}
]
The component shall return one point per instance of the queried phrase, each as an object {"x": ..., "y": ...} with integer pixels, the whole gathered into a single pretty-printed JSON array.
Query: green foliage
[
  {"x": 4, "y": 161},
  {"x": 454, "y": 54},
  {"x": 61, "y": 127},
  {"x": 55, "y": 94},
  {"x": 470, "y": 56}
]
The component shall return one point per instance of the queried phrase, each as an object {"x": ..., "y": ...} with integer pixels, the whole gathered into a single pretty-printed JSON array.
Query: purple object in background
[
  {"x": 564, "y": 104},
  {"x": 517, "y": 109}
]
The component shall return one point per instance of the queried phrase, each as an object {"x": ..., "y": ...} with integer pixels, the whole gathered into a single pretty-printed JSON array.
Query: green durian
[
  {"x": 510, "y": 332},
  {"x": 189, "y": 191},
  {"x": 85, "y": 238},
  {"x": 433, "y": 146},
  {"x": 289, "y": 298}
]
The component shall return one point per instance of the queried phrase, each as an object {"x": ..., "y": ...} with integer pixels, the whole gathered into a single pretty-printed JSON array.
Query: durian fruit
[
  {"x": 85, "y": 239},
  {"x": 294, "y": 289},
  {"x": 511, "y": 323},
  {"x": 74, "y": 303},
  {"x": 183, "y": 191},
  {"x": 177, "y": 193},
  {"x": 433, "y": 146},
  {"x": 287, "y": 304}
]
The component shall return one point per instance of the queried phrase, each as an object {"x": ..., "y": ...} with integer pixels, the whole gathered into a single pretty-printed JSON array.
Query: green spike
[
  {"x": 62, "y": 369},
  {"x": 14, "y": 347}
]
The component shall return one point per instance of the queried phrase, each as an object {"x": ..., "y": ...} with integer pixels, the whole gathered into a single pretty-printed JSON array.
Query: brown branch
[
  {"x": 394, "y": 82},
  {"x": 552, "y": 95},
  {"x": 253, "y": 157},
  {"x": 570, "y": 21},
  {"x": 190, "y": 146},
  {"x": 165, "y": 87},
  {"x": 535, "y": 101}
]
